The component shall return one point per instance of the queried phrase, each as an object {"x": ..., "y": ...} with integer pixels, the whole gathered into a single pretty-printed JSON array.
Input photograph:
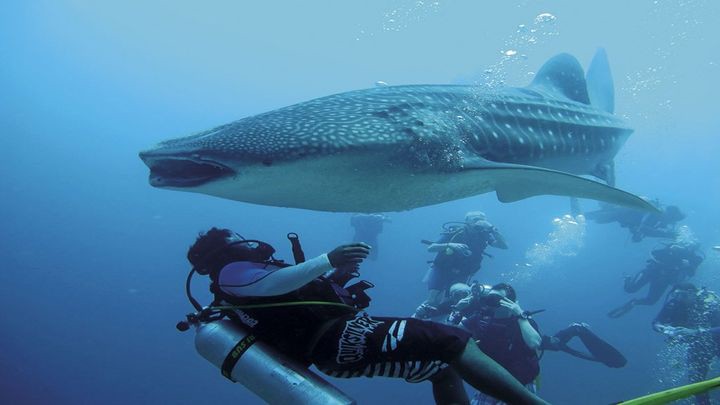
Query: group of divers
[{"x": 314, "y": 312}]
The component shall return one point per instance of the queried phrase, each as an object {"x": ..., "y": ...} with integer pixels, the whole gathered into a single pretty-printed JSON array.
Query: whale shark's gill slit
[{"x": 186, "y": 172}]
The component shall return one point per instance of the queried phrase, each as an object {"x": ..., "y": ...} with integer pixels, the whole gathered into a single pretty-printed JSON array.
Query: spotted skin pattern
[{"x": 436, "y": 124}]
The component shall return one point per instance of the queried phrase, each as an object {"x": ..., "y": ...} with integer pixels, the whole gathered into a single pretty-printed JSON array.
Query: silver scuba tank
[{"x": 262, "y": 369}]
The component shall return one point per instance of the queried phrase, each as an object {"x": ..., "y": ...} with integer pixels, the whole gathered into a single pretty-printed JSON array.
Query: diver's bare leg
[
  {"x": 483, "y": 373},
  {"x": 448, "y": 388}
]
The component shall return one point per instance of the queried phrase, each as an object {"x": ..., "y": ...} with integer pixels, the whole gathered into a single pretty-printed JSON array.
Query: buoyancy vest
[
  {"x": 458, "y": 263},
  {"x": 290, "y": 321}
]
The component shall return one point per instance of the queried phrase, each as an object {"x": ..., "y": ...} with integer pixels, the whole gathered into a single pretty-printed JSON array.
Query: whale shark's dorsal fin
[
  {"x": 562, "y": 75},
  {"x": 600, "y": 82}
]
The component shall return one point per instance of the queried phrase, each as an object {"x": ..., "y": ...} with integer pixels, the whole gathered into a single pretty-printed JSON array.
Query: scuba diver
[
  {"x": 691, "y": 317},
  {"x": 310, "y": 314},
  {"x": 671, "y": 264},
  {"x": 511, "y": 336},
  {"x": 459, "y": 254},
  {"x": 367, "y": 228},
  {"x": 503, "y": 331},
  {"x": 641, "y": 224}
]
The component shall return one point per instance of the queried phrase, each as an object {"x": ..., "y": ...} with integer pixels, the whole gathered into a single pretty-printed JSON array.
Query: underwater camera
[{"x": 492, "y": 300}]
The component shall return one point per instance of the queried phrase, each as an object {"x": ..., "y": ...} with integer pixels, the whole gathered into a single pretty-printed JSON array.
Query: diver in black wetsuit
[
  {"x": 671, "y": 264},
  {"x": 476, "y": 299},
  {"x": 641, "y": 224},
  {"x": 510, "y": 336}
]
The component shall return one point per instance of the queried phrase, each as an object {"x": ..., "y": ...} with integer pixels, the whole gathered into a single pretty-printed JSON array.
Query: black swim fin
[
  {"x": 603, "y": 351},
  {"x": 622, "y": 310}
]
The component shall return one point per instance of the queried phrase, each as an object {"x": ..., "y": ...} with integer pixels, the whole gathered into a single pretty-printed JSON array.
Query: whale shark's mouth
[{"x": 184, "y": 172}]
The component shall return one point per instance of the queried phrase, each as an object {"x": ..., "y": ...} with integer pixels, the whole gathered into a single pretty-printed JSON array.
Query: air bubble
[{"x": 545, "y": 18}]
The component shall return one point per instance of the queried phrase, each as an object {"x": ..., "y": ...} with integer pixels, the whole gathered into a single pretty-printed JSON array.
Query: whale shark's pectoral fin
[{"x": 517, "y": 182}]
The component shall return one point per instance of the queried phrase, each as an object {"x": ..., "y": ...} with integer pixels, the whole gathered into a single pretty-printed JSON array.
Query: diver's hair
[
  {"x": 509, "y": 290},
  {"x": 205, "y": 243}
]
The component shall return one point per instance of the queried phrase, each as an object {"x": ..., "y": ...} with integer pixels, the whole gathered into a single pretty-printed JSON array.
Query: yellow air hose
[{"x": 673, "y": 394}]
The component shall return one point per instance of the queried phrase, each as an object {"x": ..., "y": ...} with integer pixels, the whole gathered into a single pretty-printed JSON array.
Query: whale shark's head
[
  {"x": 343, "y": 124},
  {"x": 232, "y": 150},
  {"x": 280, "y": 158}
]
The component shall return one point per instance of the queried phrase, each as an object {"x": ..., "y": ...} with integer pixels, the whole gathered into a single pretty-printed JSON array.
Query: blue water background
[{"x": 93, "y": 257}]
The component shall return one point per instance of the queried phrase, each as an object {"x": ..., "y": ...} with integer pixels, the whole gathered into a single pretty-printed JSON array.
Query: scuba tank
[
  {"x": 269, "y": 374},
  {"x": 263, "y": 370}
]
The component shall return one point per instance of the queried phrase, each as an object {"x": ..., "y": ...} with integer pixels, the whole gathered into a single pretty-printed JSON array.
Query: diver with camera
[
  {"x": 502, "y": 330},
  {"x": 511, "y": 337}
]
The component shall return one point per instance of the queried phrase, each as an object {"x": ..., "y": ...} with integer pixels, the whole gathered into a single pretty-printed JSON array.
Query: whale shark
[{"x": 396, "y": 148}]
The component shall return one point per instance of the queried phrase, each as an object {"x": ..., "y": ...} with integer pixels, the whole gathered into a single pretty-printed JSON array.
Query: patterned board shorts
[{"x": 407, "y": 348}]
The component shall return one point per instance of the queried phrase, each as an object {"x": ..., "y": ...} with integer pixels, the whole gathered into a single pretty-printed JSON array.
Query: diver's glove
[{"x": 347, "y": 254}]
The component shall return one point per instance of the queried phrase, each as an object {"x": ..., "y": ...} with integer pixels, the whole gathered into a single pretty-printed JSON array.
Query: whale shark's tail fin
[
  {"x": 600, "y": 82},
  {"x": 602, "y": 96}
]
